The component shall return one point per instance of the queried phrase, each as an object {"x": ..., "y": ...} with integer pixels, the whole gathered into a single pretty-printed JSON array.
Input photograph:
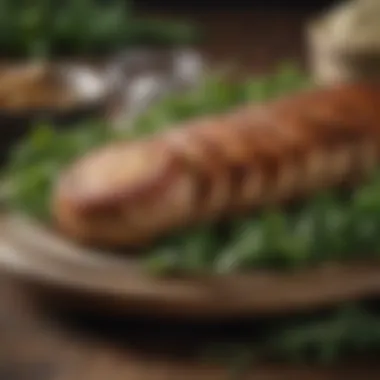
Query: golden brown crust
[{"x": 133, "y": 192}]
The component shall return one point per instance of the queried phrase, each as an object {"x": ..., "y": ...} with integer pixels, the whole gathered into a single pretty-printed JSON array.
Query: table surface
[
  {"x": 38, "y": 343},
  {"x": 254, "y": 40}
]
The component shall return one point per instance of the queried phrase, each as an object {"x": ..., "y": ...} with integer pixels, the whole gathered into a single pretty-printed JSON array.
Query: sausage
[{"x": 131, "y": 193}]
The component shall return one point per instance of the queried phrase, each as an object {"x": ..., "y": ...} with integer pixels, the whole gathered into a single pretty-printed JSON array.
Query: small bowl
[
  {"x": 338, "y": 49},
  {"x": 87, "y": 86}
]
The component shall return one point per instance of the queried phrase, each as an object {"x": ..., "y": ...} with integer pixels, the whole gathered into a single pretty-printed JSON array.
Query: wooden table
[
  {"x": 41, "y": 344},
  {"x": 254, "y": 41}
]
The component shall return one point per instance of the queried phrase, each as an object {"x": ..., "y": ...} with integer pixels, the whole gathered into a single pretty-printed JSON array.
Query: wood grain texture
[{"x": 35, "y": 346}]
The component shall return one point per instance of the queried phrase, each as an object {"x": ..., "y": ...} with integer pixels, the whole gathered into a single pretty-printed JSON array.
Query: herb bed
[{"x": 327, "y": 228}]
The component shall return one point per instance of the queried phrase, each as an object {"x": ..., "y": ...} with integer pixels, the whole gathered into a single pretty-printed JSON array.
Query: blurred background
[
  {"x": 215, "y": 5},
  {"x": 68, "y": 63},
  {"x": 96, "y": 42}
]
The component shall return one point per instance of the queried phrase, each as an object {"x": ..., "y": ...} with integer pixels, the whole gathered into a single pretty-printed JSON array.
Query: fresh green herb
[
  {"x": 34, "y": 166},
  {"x": 319, "y": 339},
  {"x": 44, "y": 28},
  {"x": 325, "y": 229}
]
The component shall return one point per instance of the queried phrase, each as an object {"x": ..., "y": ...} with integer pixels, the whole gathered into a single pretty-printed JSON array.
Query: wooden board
[{"x": 116, "y": 284}]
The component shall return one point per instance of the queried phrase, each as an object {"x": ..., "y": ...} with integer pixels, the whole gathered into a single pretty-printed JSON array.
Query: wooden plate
[{"x": 119, "y": 284}]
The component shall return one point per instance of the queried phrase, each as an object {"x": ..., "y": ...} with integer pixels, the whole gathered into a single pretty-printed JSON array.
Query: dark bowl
[{"x": 15, "y": 124}]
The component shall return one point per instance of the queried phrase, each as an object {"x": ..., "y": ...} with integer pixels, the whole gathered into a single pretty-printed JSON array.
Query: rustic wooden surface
[
  {"x": 256, "y": 41},
  {"x": 38, "y": 343}
]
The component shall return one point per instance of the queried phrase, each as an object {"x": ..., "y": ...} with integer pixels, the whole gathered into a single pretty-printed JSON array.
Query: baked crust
[{"x": 130, "y": 193}]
